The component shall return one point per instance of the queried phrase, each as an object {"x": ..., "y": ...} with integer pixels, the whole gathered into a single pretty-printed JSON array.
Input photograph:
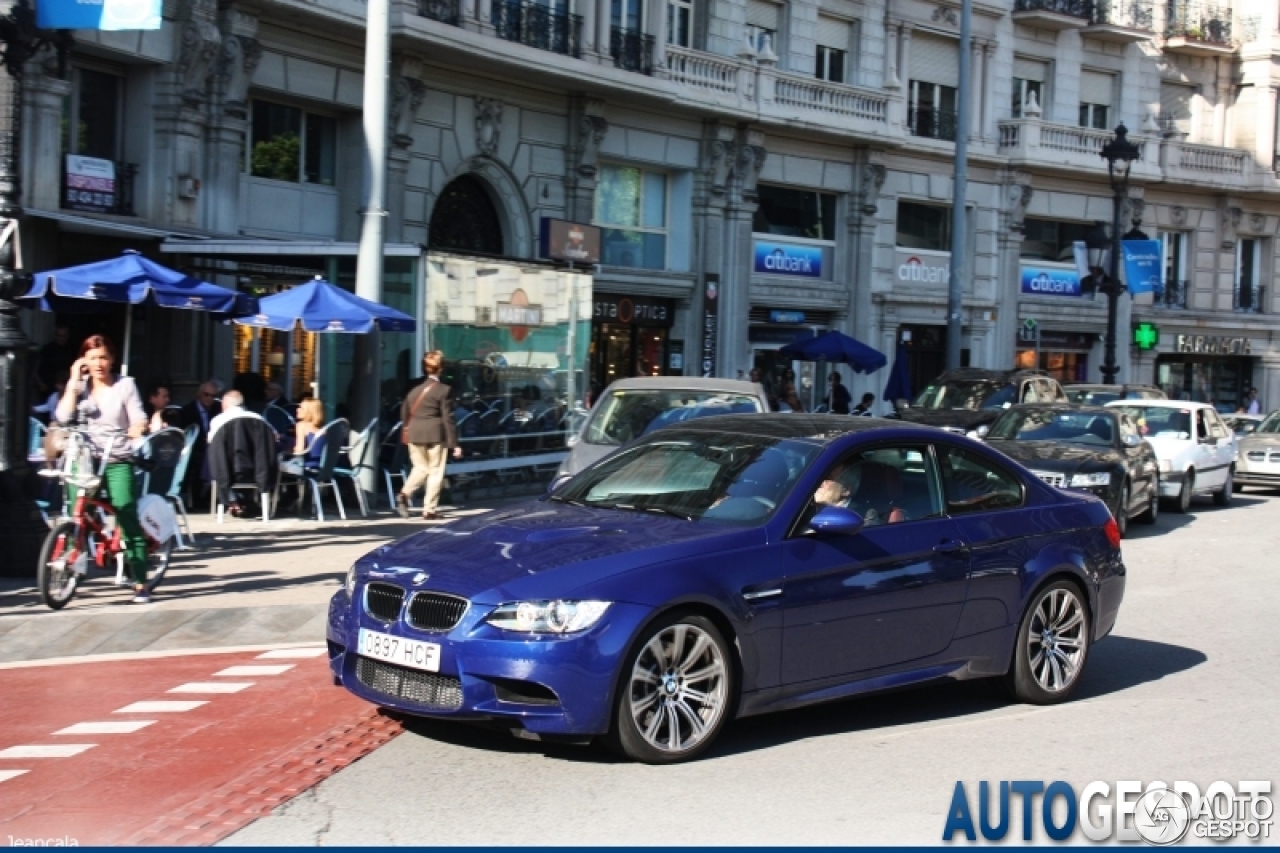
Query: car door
[
  {"x": 1140, "y": 460},
  {"x": 1225, "y": 449},
  {"x": 1209, "y": 472},
  {"x": 887, "y": 596}
]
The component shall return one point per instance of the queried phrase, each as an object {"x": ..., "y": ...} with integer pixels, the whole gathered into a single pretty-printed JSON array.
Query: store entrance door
[{"x": 624, "y": 350}]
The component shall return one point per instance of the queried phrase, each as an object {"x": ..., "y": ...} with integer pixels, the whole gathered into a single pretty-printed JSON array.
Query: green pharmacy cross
[{"x": 1146, "y": 336}]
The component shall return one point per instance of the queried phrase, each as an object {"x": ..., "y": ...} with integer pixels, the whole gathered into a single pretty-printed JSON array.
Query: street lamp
[
  {"x": 1119, "y": 154},
  {"x": 21, "y": 530}
]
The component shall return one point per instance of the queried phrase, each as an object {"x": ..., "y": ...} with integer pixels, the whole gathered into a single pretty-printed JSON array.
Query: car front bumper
[
  {"x": 538, "y": 684},
  {"x": 1258, "y": 472},
  {"x": 1171, "y": 483}
]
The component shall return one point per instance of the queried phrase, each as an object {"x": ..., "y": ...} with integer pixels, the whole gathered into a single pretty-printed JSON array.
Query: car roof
[
  {"x": 1098, "y": 386},
  {"x": 1065, "y": 407},
  {"x": 784, "y": 425},
  {"x": 1163, "y": 404},
  {"x": 685, "y": 383},
  {"x": 981, "y": 374}
]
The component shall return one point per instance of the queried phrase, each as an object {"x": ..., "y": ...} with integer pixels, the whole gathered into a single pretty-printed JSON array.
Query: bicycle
[{"x": 89, "y": 537}]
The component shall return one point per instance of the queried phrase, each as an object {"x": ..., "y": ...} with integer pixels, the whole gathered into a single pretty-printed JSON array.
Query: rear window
[
  {"x": 980, "y": 394},
  {"x": 626, "y": 414}
]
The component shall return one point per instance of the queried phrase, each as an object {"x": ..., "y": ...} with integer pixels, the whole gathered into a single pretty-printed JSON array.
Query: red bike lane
[{"x": 170, "y": 750}]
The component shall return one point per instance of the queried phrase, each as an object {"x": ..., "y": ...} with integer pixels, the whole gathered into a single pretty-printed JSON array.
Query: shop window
[
  {"x": 91, "y": 114},
  {"x": 631, "y": 208},
  {"x": 1249, "y": 290},
  {"x": 291, "y": 144},
  {"x": 924, "y": 226},
  {"x": 1051, "y": 240},
  {"x": 795, "y": 213}
]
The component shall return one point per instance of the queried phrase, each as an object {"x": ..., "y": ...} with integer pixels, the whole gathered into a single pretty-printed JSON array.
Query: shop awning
[{"x": 80, "y": 224}]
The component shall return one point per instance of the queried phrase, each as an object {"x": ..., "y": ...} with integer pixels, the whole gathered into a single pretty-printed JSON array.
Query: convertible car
[{"x": 732, "y": 566}]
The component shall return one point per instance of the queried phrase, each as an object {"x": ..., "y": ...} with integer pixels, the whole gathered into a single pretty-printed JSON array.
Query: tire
[
  {"x": 1121, "y": 512},
  {"x": 1223, "y": 496},
  {"x": 160, "y": 560},
  {"x": 55, "y": 576},
  {"x": 657, "y": 703},
  {"x": 1182, "y": 503},
  {"x": 1051, "y": 647},
  {"x": 1152, "y": 512}
]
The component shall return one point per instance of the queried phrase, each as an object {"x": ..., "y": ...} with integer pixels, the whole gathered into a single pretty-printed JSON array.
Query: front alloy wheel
[
  {"x": 1052, "y": 646},
  {"x": 677, "y": 691}
]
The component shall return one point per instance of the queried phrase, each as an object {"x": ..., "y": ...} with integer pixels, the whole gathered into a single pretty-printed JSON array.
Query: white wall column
[
  {"x": 587, "y": 8},
  {"x": 978, "y": 105},
  {"x": 657, "y": 27},
  {"x": 604, "y": 22}
]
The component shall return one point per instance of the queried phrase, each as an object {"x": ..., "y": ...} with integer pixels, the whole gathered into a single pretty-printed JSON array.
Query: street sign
[{"x": 1146, "y": 336}]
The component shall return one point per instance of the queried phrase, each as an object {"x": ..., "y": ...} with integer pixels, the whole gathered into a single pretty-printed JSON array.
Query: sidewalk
[{"x": 245, "y": 584}]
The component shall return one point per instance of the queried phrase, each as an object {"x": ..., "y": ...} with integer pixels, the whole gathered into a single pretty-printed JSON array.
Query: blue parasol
[
  {"x": 132, "y": 279},
  {"x": 836, "y": 347},
  {"x": 899, "y": 385},
  {"x": 320, "y": 306}
]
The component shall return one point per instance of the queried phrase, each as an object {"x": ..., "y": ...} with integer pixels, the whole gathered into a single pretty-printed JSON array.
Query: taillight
[{"x": 1112, "y": 530}]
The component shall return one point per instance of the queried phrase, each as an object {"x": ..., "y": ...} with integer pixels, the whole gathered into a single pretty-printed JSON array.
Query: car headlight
[
  {"x": 1099, "y": 478},
  {"x": 547, "y": 617},
  {"x": 1165, "y": 467},
  {"x": 351, "y": 580}
]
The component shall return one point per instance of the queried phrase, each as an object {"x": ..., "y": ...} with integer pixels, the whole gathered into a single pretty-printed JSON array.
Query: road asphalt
[{"x": 245, "y": 584}]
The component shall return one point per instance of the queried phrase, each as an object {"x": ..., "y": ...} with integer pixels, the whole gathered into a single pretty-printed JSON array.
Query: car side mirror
[
  {"x": 557, "y": 481},
  {"x": 902, "y": 403},
  {"x": 1132, "y": 440},
  {"x": 981, "y": 432},
  {"x": 837, "y": 521}
]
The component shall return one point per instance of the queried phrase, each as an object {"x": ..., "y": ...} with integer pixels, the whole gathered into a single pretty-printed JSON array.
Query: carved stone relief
[
  {"x": 591, "y": 132},
  {"x": 721, "y": 154},
  {"x": 873, "y": 176},
  {"x": 1231, "y": 217},
  {"x": 946, "y": 15},
  {"x": 407, "y": 97},
  {"x": 751, "y": 156},
  {"x": 1017, "y": 198},
  {"x": 1178, "y": 215},
  {"x": 237, "y": 63},
  {"x": 488, "y": 125}
]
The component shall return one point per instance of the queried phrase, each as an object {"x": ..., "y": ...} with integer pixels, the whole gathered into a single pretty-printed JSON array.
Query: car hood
[
  {"x": 965, "y": 419},
  {"x": 1257, "y": 442},
  {"x": 544, "y": 549},
  {"x": 1056, "y": 455}
]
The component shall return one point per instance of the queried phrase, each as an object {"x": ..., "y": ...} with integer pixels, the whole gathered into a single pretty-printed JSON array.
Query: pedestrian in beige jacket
[{"x": 428, "y": 428}]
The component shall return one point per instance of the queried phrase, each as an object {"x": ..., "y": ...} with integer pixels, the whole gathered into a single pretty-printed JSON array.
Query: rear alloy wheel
[
  {"x": 1152, "y": 512},
  {"x": 1052, "y": 646},
  {"x": 1223, "y": 496},
  {"x": 676, "y": 693}
]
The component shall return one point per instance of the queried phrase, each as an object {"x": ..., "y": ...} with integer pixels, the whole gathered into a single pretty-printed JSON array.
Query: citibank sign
[
  {"x": 916, "y": 268},
  {"x": 788, "y": 259}
]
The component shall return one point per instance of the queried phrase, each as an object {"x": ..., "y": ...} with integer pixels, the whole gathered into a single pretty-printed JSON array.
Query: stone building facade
[{"x": 794, "y": 159}]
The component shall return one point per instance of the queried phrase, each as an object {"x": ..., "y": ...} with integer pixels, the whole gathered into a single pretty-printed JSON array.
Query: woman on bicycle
[{"x": 110, "y": 405}]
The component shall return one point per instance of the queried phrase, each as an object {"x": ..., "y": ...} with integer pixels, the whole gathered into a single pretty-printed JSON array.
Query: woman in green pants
[{"x": 110, "y": 404}]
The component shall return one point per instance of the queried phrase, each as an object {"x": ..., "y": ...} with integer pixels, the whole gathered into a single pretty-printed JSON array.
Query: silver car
[
  {"x": 1258, "y": 455},
  {"x": 630, "y": 408}
]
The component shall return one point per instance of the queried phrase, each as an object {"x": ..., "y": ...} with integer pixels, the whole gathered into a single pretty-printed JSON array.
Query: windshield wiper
[
  {"x": 662, "y": 510},
  {"x": 559, "y": 499},
  {"x": 633, "y": 508}
]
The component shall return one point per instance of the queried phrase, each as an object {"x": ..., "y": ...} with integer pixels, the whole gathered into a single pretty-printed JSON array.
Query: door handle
[
  {"x": 760, "y": 594},
  {"x": 950, "y": 546}
]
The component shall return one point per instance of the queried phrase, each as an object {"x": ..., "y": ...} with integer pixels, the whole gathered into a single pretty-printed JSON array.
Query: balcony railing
[
  {"x": 1071, "y": 8},
  {"x": 1174, "y": 295},
  {"x": 1248, "y": 298},
  {"x": 631, "y": 51},
  {"x": 931, "y": 122},
  {"x": 537, "y": 26},
  {"x": 795, "y": 90},
  {"x": 1202, "y": 23},
  {"x": 1134, "y": 14},
  {"x": 97, "y": 197},
  {"x": 444, "y": 11}
]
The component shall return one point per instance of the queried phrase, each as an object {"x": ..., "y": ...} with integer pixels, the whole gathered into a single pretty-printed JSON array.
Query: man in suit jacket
[
  {"x": 200, "y": 413},
  {"x": 430, "y": 431}
]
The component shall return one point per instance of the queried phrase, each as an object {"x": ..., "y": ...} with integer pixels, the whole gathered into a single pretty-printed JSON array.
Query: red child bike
[{"x": 87, "y": 538}]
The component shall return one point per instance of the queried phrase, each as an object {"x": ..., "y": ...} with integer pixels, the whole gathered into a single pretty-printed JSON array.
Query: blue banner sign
[
  {"x": 788, "y": 259},
  {"x": 792, "y": 317},
  {"x": 1143, "y": 266},
  {"x": 98, "y": 14},
  {"x": 1050, "y": 282}
]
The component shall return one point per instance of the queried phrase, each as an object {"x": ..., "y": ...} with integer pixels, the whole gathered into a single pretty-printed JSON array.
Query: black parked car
[
  {"x": 963, "y": 399},
  {"x": 1091, "y": 448}
]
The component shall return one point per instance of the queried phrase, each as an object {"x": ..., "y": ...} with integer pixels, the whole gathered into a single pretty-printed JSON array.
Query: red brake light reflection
[{"x": 1112, "y": 530}]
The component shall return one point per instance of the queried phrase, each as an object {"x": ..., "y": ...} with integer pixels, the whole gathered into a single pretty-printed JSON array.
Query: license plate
[{"x": 414, "y": 654}]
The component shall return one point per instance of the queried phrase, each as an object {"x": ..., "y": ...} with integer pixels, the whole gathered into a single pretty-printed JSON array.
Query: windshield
[
  {"x": 1160, "y": 421},
  {"x": 695, "y": 475},
  {"x": 1271, "y": 424},
  {"x": 981, "y": 394},
  {"x": 1093, "y": 429},
  {"x": 626, "y": 414}
]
